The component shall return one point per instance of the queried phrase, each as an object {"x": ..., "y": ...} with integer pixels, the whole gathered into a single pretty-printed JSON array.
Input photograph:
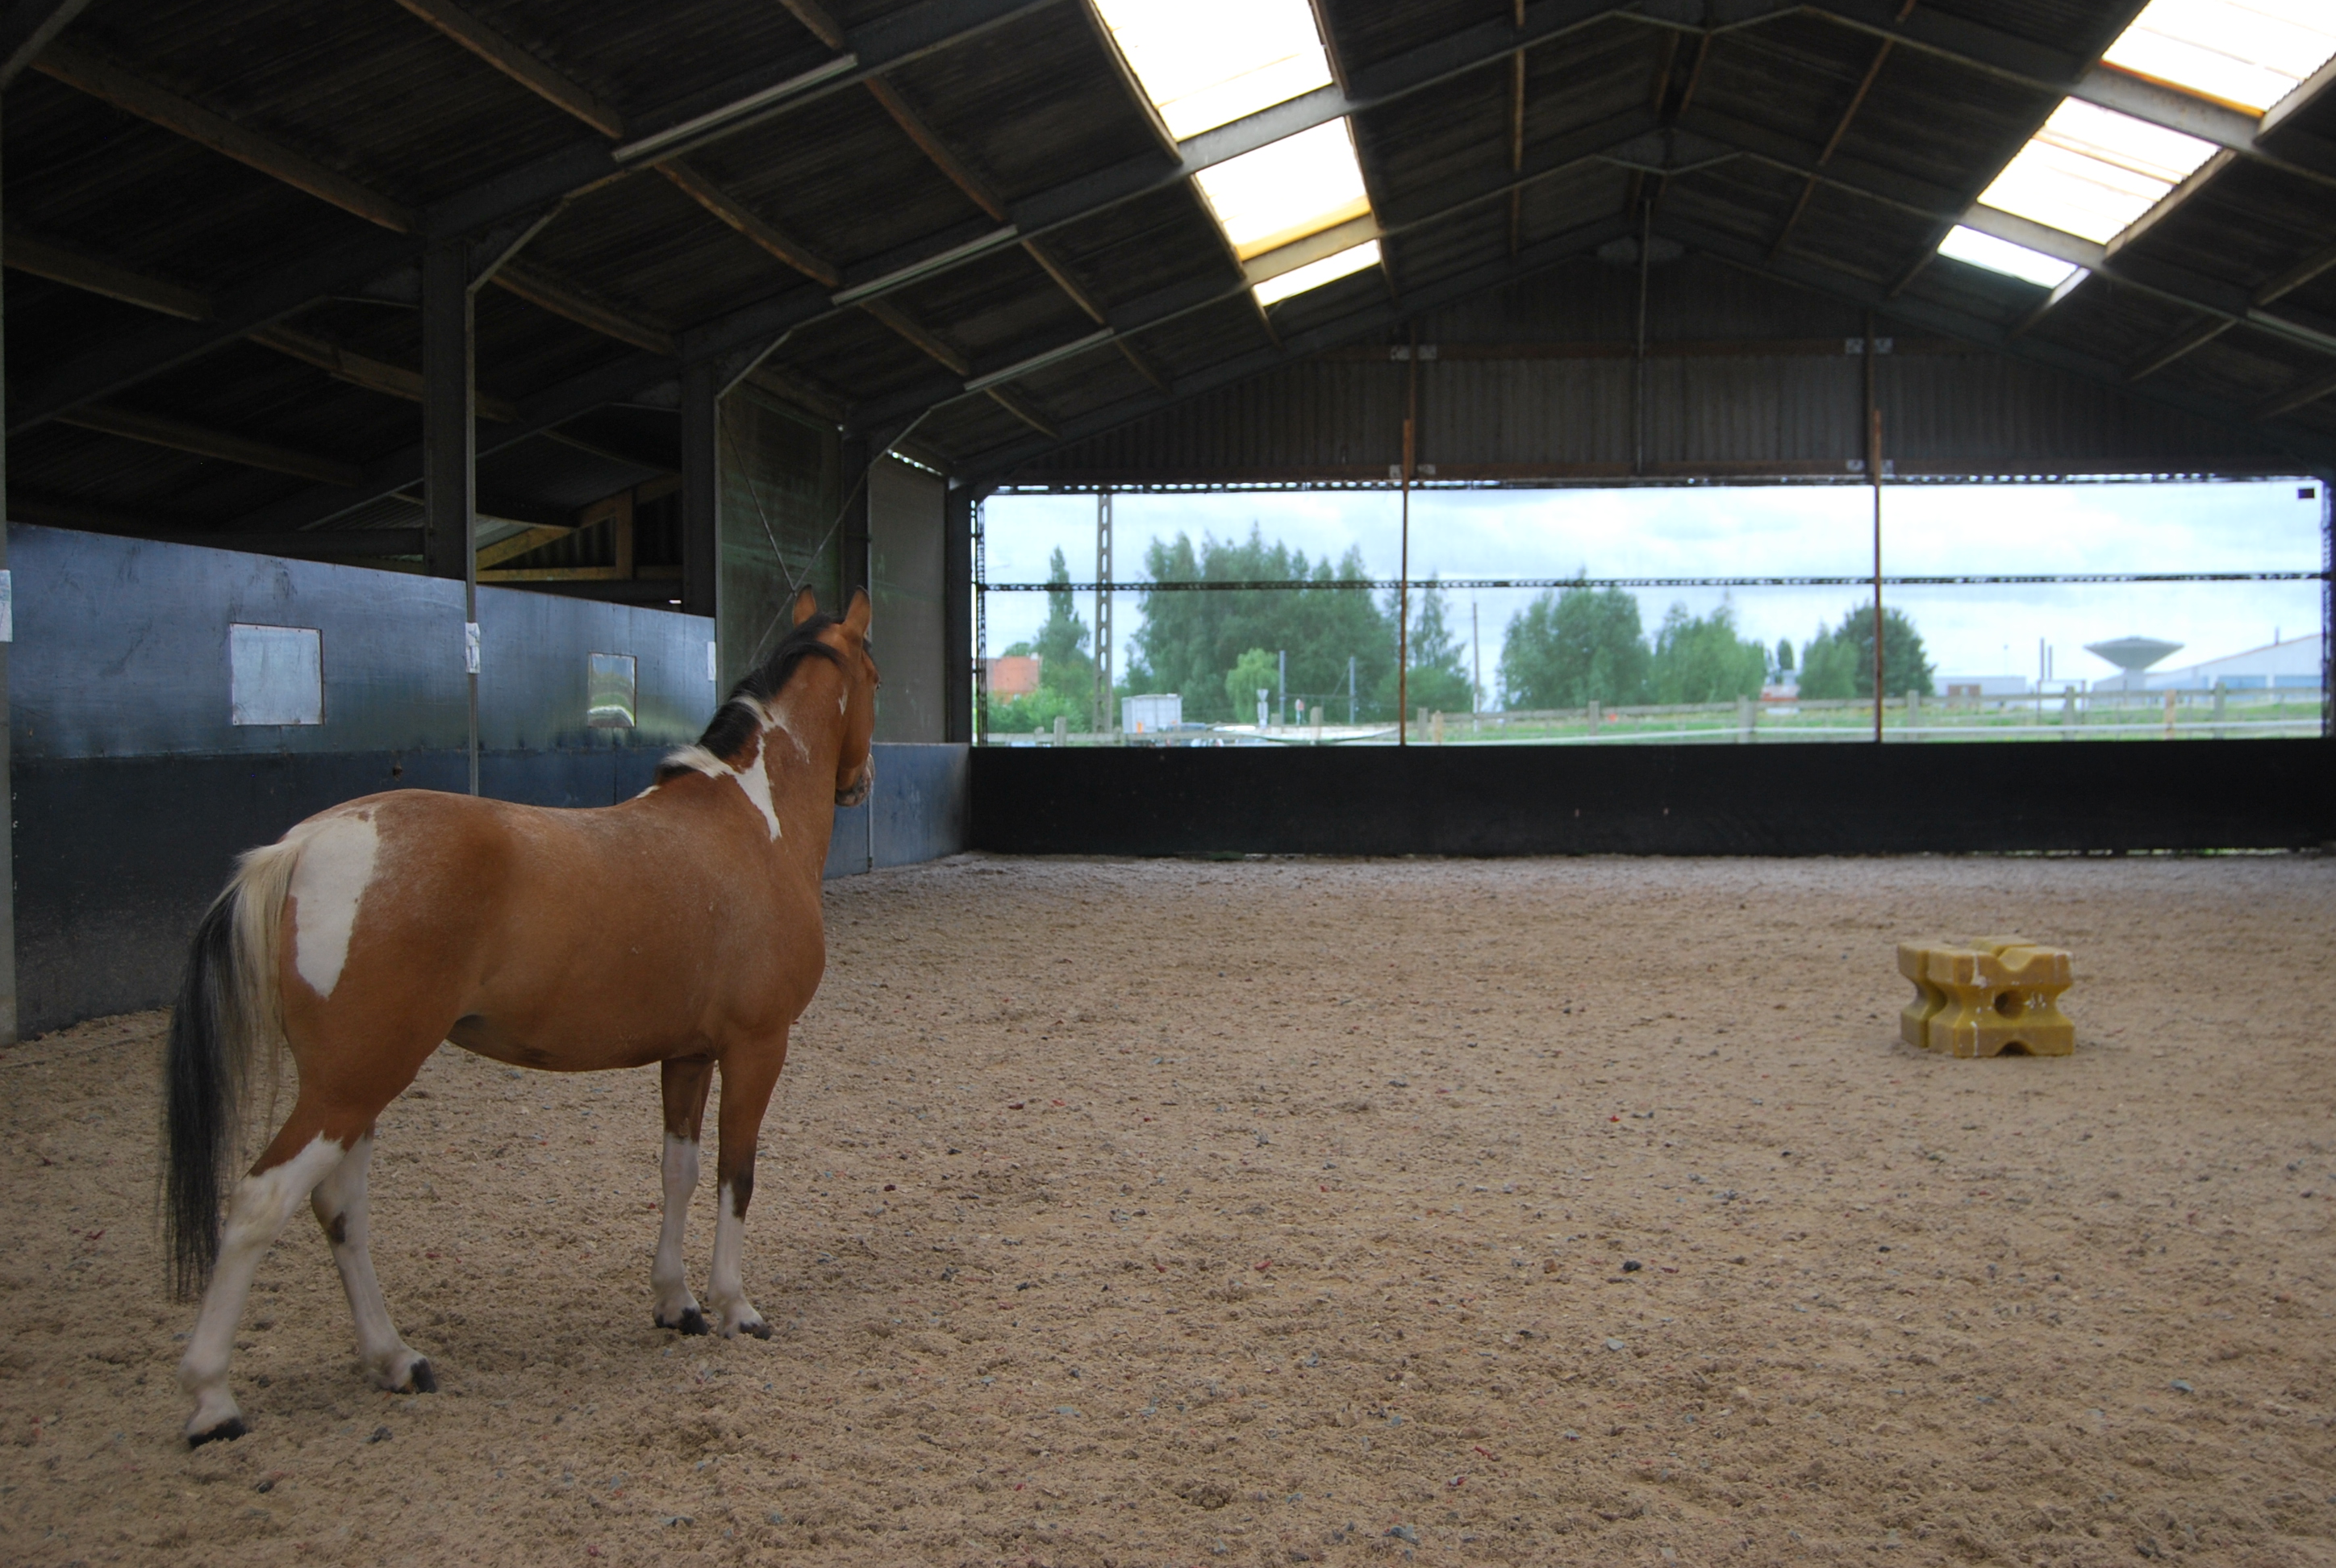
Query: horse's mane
[{"x": 745, "y": 710}]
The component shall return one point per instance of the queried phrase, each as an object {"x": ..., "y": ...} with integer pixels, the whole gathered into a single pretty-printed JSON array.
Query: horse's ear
[
  {"x": 855, "y": 619},
  {"x": 806, "y": 606}
]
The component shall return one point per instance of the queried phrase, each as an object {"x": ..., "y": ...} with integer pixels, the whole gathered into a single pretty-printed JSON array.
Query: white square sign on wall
[{"x": 276, "y": 675}]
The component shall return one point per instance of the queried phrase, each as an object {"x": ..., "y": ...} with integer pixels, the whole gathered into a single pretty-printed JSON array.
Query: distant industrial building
[
  {"x": 1151, "y": 712},
  {"x": 2292, "y": 662},
  {"x": 1970, "y": 685}
]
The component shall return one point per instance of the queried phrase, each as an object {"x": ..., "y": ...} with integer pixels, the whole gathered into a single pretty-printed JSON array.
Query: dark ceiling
[{"x": 961, "y": 216}]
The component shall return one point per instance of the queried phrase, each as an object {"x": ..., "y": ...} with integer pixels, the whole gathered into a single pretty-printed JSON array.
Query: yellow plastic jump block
[{"x": 1987, "y": 996}]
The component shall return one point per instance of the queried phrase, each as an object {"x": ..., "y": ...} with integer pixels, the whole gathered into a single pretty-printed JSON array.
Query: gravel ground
[{"x": 1128, "y": 1214}]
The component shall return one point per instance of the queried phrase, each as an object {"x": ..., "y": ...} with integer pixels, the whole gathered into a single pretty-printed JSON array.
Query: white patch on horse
[
  {"x": 329, "y": 882},
  {"x": 698, "y": 759},
  {"x": 756, "y": 780},
  {"x": 843, "y": 702}
]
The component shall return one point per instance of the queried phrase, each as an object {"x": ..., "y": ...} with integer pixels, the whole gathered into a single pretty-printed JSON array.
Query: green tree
[
  {"x": 1066, "y": 667},
  {"x": 1783, "y": 655},
  {"x": 1699, "y": 659},
  {"x": 1439, "y": 660},
  {"x": 1188, "y": 641},
  {"x": 1839, "y": 661},
  {"x": 1571, "y": 645},
  {"x": 1253, "y": 672},
  {"x": 1038, "y": 711}
]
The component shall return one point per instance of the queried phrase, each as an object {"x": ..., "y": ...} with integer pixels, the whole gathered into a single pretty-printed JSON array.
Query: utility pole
[
  {"x": 1282, "y": 686},
  {"x": 1350, "y": 691},
  {"x": 1403, "y": 568},
  {"x": 1104, "y": 716},
  {"x": 1476, "y": 659}
]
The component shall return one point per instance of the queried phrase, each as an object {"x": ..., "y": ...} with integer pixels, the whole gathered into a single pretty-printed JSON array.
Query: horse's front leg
[
  {"x": 749, "y": 1072},
  {"x": 685, "y": 1083}
]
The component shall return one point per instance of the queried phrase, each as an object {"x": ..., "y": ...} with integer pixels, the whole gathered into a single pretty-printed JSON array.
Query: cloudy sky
[{"x": 1772, "y": 530}]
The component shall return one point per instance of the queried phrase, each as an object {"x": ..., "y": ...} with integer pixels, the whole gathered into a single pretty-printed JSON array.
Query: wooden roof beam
[
  {"x": 1021, "y": 408},
  {"x": 541, "y": 289},
  {"x": 1141, "y": 364},
  {"x": 373, "y": 375},
  {"x": 893, "y": 316},
  {"x": 2297, "y": 396},
  {"x": 766, "y": 235},
  {"x": 101, "y": 77},
  {"x": 555, "y": 89},
  {"x": 108, "y": 368},
  {"x": 2043, "y": 69},
  {"x": 78, "y": 269},
  {"x": 1367, "y": 321},
  {"x": 1186, "y": 299},
  {"x": 1840, "y": 129},
  {"x": 162, "y": 430},
  {"x": 977, "y": 190},
  {"x": 822, "y": 24}
]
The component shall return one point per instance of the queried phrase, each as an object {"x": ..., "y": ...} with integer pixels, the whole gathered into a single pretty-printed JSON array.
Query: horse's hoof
[
  {"x": 227, "y": 1431},
  {"x": 694, "y": 1322},
  {"x": 421, "y": 1380},
  {"x": 759, "y": 1328}
]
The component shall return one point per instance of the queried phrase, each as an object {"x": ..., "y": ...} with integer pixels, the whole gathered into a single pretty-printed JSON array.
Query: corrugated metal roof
[{"x": 1021, "y": 108}]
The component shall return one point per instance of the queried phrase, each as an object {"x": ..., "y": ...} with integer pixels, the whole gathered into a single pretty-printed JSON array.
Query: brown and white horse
[{"x": 681, "y": 928}]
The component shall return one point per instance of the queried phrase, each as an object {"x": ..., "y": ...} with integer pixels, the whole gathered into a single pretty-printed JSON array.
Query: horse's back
[{"x": 563, "y": 937}]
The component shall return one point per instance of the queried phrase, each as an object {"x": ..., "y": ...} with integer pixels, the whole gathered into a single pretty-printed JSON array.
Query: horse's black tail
[{"x": 228, "y": 1004}]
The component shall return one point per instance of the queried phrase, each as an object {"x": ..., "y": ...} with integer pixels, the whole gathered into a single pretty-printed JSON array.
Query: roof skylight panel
[
  {"x": 1205, "y": 62},
  {"x": 1279, "y": 194},
  {"x": 2091, "y": 172},
  {"x": 2002, "y": 255},
  {"x": 1315, "y": 274},
  {"x": 2247, "y": 54}
]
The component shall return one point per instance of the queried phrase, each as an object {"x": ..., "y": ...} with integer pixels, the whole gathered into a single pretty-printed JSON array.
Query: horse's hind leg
[
  {"x": 299, "y": 1158},
  {"x": 748, "y": 1075},
  {"x": 685, "y": 1084},
  {"x": 339, "y": 1200}
]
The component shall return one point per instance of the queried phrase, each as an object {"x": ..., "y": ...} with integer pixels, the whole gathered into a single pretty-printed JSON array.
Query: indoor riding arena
[{"x": 1581, "y": 782}]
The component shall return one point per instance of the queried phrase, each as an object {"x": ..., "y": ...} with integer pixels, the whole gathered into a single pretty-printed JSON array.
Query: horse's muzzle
[{"x": 860, "y": 787}]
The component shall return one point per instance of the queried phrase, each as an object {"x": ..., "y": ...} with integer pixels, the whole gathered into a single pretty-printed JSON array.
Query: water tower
[{"x": 2132, "y": 655}]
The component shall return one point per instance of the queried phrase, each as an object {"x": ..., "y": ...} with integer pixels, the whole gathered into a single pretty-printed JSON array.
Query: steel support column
[
  {"x": 701, "y": 492},
  {"x": 852, "y": 536},
  {"x": 957, "y": 612},
  {"x": 7, "y": 817},
  {"x": 450, "y": 447}
]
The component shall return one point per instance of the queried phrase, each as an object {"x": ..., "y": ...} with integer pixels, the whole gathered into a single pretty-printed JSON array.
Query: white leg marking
[
  {"x": 254, "y": 1217},
  {"x": 732, "y": 1311},
  {"x": 667, "y": 1277},
  {"x": 336, "y": 865},
  {"x": 340, "y": 1204}
]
